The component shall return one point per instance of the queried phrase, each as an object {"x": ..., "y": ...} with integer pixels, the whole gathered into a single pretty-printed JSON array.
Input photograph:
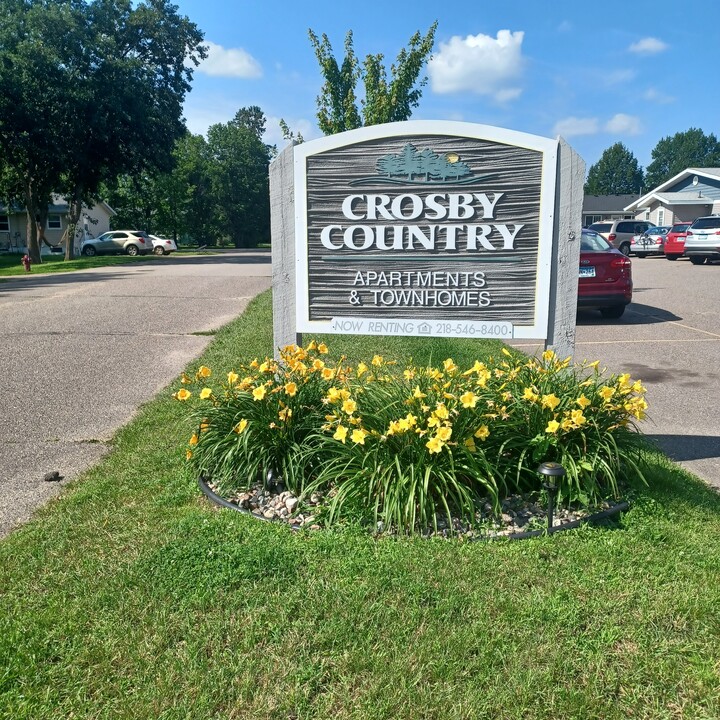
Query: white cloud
[
  {"x": 618, "y": 77},
  {"x": 653, "y": 95},
  {"x": 648, "y": 46},
  {"x": 576, "y": 126},
  {"x": 479, "y": 64},
  {"x": 229, "y": 62},
  {"x": 622, "y": 124}
]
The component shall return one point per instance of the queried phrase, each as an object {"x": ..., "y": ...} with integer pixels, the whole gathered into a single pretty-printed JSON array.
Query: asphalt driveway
[{"x": 82, "y": 351}]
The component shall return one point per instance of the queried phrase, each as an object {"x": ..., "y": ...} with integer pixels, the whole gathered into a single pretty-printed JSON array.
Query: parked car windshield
[
  {"x": 706, "y": 223},
  {"x": 592, "y": 242},
  {"x": 681, "y": 227},
  {"x": 601, "y": 227},
  {"x": 659, "y": 230}
]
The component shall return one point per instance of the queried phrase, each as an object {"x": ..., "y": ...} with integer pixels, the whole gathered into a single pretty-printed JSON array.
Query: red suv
[
  {"x": 675, "y": 240},
  {"x": 605, "y": 276}
]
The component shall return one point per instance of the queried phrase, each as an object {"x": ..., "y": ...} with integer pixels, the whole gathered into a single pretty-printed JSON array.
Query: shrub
[{"x": 406, "y": 445}]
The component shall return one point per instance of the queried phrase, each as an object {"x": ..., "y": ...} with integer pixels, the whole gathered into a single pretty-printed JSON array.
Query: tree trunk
[
  {"x": 74, "y": 212},
  {"x": 33, "y": 246}
]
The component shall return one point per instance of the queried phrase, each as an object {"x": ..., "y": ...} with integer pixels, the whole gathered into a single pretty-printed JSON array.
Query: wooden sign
[{"x": 422, "y": 228}]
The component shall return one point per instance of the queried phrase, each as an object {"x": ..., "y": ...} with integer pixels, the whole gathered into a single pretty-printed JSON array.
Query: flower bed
[{"x": 414, "y": 447}]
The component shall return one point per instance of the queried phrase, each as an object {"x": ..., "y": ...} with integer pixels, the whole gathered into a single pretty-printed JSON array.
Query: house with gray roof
[
  {"x": 688, "y": 195},
  {"x": 606, "y": 207}
]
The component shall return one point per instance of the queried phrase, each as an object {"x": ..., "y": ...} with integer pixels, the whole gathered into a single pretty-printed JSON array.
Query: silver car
[
  {"x": 651, "y": 242},
  {"x": 131, "y": 242},
  {"x": 702, "y": 243}
]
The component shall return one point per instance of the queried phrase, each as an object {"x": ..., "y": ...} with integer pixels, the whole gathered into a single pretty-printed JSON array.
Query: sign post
[{"x": 430, "y": 229}]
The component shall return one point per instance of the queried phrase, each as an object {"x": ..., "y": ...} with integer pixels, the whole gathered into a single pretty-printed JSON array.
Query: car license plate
[{"x": 587, "y": 272}]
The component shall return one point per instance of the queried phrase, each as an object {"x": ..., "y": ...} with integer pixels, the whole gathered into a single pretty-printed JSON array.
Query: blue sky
[{"x": 594, "y": 72}]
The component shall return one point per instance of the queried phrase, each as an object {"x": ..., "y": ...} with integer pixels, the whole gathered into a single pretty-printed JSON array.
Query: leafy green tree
[
  {"x": 385, "y": 100},
  {"x": 672, "y": 155},
  {"x": 617, "y": 172},
  {"x": 239, "y": 162},
  {"x": 88, "y": 91}
]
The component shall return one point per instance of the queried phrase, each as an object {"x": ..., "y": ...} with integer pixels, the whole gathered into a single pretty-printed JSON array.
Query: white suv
[
  {"x": 132, "y": 242},
  {"x": 703, "y": 240}
]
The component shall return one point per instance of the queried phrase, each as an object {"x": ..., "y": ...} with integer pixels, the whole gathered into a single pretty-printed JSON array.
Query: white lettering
[
  {"x": 325, "y": 237},
  {"x": 488, "y": 207},
  {"x": 509, "y": 237}
]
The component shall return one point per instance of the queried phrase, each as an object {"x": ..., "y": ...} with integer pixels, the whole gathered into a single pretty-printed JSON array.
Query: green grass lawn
[
  {"x": 132, "y": 597},
  {"x": 10, "y": 263}
]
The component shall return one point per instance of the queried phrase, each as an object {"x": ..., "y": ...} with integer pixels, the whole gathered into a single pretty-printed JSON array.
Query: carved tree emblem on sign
[{"x": 419, "y": 167}]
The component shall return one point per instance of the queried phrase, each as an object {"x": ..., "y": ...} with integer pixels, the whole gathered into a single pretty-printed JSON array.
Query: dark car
[
  {"x": 605, "y": 281},
  {"x": 675, "y": 240}
]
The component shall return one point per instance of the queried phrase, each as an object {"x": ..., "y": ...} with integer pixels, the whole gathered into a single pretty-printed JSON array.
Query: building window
[
  {"x": 54, "y": 222},
  {"x": 647, "y": 214},
  {"x": 661, "y": 216},
  {"x": 4, "y": 223}
]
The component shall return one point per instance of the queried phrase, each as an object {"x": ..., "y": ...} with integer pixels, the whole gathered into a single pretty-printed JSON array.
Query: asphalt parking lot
[
  {"x": 669, "y": 337},
  {"x": 81, "y": 352}
]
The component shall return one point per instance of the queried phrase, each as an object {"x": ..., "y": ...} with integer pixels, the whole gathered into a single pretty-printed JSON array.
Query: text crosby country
[{"x": 458, "y": 230}]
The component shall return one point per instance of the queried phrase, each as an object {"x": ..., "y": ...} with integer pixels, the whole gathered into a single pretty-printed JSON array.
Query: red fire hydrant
[{"x": 27, "y": 263}]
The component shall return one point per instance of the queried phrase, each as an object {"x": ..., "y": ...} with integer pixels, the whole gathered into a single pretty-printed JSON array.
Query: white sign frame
[{"x": 546, "y": 146}]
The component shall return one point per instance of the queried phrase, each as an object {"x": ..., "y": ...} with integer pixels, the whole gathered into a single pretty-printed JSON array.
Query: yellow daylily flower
[
  {"x": 444, "y": 433},
  {"x": 232, "y": 377},
  {"x": 206, "y": 393},
  {"x": 240, "y": 427},
  {"x": 349, "y": 406},
  {"x": 578, "y": 418},
  {"x": 417, "y": 393},
  {"x": 318, "y": 364},
  {"x": 434, "y": 445},
  {"x": 548, "y": 355},
  {"x": 290, "y": 389},
  {"x": 193, "y": 440},
  {"x": 377, "y": 360},
  {"x": 530, "y": 394},
  {"x": 468, "y": 399},
  {"x": 204, "y": 372},
  {"x": 552, "y": 427},
  {"x": 285, "y": 413},
  {"x": 607, "y": 392},
  {"x": 188, "y": 454},
  {"x": 328, "y": 373},
  {"x": 358, "y": 436},
  {"x": 505, "y": 351},
  {"x": 482, "y": 432},
  {"x": 362, "y": 368},
  {"x": 341, "y": 433},
  {"x": 322, "y": 348},
  {"x": 470, "y": 445},
  {"x": 185, "y": 380},
  {"x": 182, "y": 394},
  {"x": 449, "y": 365},
  {"x": 550, "y": 401},
  {"x": 259, "y": 393},
  {"x": 441, "y": 411},
  {"x": 583, "y": 402}
]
